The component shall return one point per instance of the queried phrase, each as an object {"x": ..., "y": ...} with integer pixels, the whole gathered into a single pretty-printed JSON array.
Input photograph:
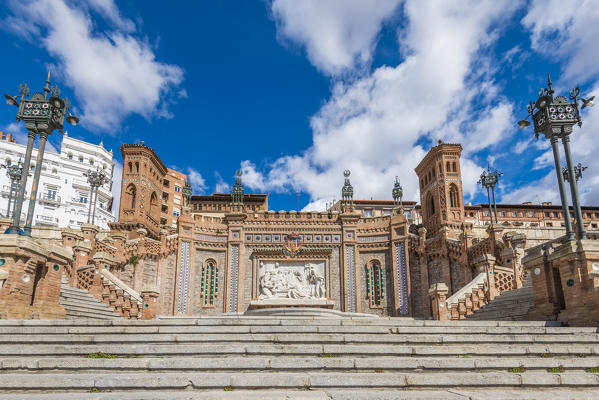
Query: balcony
[
  {"x": 45, "y": 220},
  {"x": 46, "y": 198}
]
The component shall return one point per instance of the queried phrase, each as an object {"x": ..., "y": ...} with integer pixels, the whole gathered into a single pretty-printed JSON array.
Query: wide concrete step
[
  {"x": 298, "y": 338},
  {"x": 135, "y": 328},
  {"x": 305, "y": 349},
  {"x": 77, "y": 296},
  {"x": 50, "y": 382},
  {"x": 471, "y": 393},
  {"x": 228, "y": 321},
  {"x": 92, "y": 310},
  {"x": 69, "y": 289},
  {"x": 93, "y": 305},
  {"x": 286, "y": 363}
]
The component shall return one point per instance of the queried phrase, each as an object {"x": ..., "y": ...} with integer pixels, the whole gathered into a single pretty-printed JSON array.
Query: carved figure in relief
[{"x": 292, "y": 284}]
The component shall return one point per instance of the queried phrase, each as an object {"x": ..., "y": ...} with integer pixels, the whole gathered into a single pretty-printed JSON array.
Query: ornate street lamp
[
  {"x": 578, "y": 169},
  {"x": 397, "y": 193},
  {"x": 95, "y": 179},
  {"x": 13, "y": 172},
  {"x": 489, "y": 179},
  {"x": 42, "y": 115},
  {"x": 555, "y": 117}
]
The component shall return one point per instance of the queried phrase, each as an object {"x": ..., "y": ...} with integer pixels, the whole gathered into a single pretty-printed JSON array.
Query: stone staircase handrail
[
  {"x": 461, "y": 294},
  {"x": 121, "y": 285}
]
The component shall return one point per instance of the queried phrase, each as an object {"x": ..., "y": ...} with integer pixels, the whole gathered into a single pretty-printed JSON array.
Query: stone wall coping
[
  {"x": 121, "y": 285},
  {"x": 44, "y": 248},
  {"x": 460, "y": 294}
]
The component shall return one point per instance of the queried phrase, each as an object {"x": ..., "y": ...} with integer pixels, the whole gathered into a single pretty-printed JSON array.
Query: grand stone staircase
[
  {"x": 512, "y": 305},
  {"x": 79, "y": 303},
  {"x": 260, "y": 357}
]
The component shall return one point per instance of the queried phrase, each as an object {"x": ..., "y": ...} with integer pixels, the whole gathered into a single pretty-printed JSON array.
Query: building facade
[{"x": 63, "y": 193}]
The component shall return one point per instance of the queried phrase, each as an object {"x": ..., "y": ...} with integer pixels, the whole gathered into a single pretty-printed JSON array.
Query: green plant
[
  {"x": 582, "y": 355},
  {"x": 133, "y": 260},
  {"x": 328, "y": 355},
  {"x": 593, "y": 370},
  {"x": 516, "y": 370},
  {"x": 94, "y": 390},
  {"x": 556, "y": 370},
  {"x": 544, "y": 355},
  {"x": 101, "y": 355},
  {"x": 228, "y": 388}
]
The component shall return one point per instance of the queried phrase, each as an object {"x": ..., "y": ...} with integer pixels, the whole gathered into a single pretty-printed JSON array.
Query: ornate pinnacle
[{"x": 397, "y": 192}]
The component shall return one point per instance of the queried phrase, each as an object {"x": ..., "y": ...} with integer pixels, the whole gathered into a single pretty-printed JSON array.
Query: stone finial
[{"x": 347, "y": 193}]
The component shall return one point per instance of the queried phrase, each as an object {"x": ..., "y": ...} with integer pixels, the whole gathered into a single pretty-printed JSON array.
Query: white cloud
[
  {"x": 337, "y": 34},
  {"x": 113, "y": 73},
  {"x": 376, "y": 126},
  {"x": 221, "y": 185},
  {"x": 197, "y": 182}
]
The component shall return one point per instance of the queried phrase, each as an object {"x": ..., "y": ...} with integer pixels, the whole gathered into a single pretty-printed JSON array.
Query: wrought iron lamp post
[
  {"x": 397, "y": 193},
  {"x": 13, "y": 172},
  {"x": 488, "y": 179},
  {"x": 95, "y": 180},
  {"x": 555, "y": 117},
  {"x": 42, "y": 115}
]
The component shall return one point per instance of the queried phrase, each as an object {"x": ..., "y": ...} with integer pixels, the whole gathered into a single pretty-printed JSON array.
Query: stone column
[
  {"x": 149, "y": 295},
  {"x": 438, "y": 294}
]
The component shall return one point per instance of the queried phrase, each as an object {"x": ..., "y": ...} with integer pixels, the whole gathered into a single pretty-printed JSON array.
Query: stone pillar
[
  {"x": 350, "y": 264},
  {"x": 486, "y": 263},
  {"x": 149, "y": 295},
  {"x": 438, "y": 294},
  {"x": 546, "y": 305},
  {"x": 32, "y": 271}
]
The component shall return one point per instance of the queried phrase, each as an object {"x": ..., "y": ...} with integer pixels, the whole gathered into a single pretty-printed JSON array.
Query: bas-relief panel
[{"x": 292, "y": 280}]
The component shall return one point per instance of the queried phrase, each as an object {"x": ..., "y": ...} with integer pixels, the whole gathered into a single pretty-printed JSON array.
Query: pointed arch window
[
  {"x": 131, "y": 195},
  {"x": 209, "y": 284},
  {"x": 453, "y": 196},
  {"x": 375, "y": 284}
]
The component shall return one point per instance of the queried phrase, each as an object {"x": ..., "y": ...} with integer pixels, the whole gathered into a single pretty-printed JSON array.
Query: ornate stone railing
[
  {"x": 469, "y": 298},
  {"x": 120, "y": 296}
]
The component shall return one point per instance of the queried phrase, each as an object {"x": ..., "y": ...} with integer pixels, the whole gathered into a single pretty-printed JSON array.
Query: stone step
[
  {"x": 305, "y": 349},
  {"x": 92, "y": 310},
  {"x": 69, "y": 289},
  {"x": 227, "y": 321},
  {"x": 278, "y": 363},
  {"x": 77, "y": 296},
  {"x": 82, "y": 302},
  {"x": 336, "y": 394},
  {"x": 297, "y": 338},
  {"x": 135, "y": 329},
  {"x": 52, "y": 382}
]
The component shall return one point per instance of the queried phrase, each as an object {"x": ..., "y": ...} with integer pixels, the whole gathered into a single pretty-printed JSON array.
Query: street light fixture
[
  {"x": 13, "y": 172},
  {"x": 41, "y": 116},
  {"x": 95, "y": 179},
  {"x": 488, "y": 179},
  {"x": 555, "y": 117},
  {"x": 578, "y": 169}
]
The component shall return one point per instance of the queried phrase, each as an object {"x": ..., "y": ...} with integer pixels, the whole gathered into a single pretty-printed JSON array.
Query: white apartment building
[{"x": 63, "y": 194}]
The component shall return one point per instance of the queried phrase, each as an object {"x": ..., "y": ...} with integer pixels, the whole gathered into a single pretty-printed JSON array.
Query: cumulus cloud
[
  {"x": 337, "y": 34},
  {"x": 197, "y": 182},
  {"x": 113, "y": 73},
  {"x": 380, "y": 125},
  {"x": 221, "y": 185}
]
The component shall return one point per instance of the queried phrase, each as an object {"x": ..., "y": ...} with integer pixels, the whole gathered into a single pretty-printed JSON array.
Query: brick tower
[
  {"x": 141, "y": 188},
  {"x": 441, "y": 196}
]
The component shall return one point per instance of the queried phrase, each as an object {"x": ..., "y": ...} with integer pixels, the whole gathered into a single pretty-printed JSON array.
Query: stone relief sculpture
[{"x": 292, "y": 283}]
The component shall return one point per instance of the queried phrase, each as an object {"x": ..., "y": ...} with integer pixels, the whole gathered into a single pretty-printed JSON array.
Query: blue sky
[{"x": 294, "y": 92}]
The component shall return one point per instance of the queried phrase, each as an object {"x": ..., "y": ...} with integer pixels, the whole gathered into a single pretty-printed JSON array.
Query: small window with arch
[
  {"x": 209, "y": 284},
  {"x": 375, "y": 284}
]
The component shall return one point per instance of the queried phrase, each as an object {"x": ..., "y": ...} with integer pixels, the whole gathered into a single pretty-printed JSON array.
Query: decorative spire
[
  {"x": 347, "y": 193},
  {"x": 187, "y": 192},
  {"x": 237, "y": 191},
  {"x": 397, "y": 192}
]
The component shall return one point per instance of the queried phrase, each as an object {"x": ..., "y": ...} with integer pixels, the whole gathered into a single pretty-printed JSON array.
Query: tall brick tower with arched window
[
  {"x": 141, "y": 188},
  {"x": 441, "y": 196}
]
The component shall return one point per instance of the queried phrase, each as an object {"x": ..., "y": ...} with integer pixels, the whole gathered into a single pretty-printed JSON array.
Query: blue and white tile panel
[
  {"x": 234, "y": 278},
  {"x": 351, "y": 279},
  {"x": 183, "y": 278},
  {"x": 402, "y": 277}
]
